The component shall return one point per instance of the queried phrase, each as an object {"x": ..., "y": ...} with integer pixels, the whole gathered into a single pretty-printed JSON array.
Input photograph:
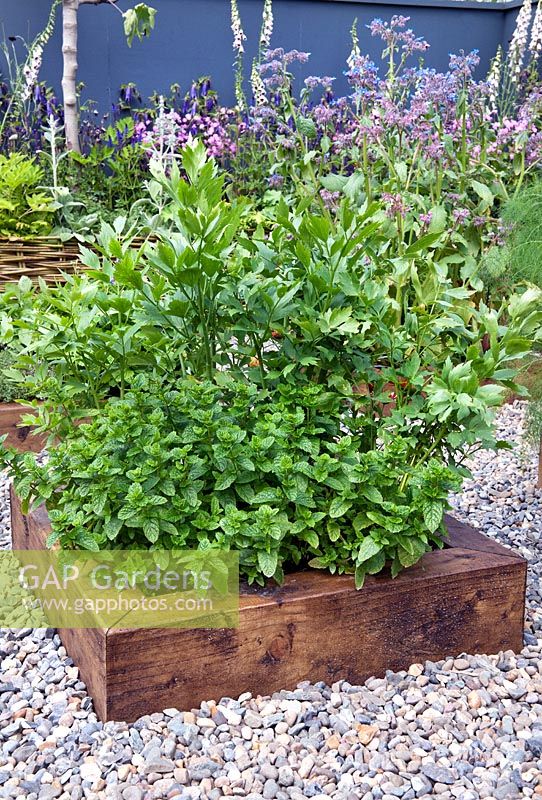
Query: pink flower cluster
[{"x": 213, "y": 130}]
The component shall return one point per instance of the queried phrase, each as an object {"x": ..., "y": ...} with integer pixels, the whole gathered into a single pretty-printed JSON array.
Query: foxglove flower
[
  {"x": 535, "y": 45},
  {"x": 494, "y": 80},
  {"x": 237, "y": 29},
  {"x": 518, "y": 44},
  {"x": 267, "y": 26},
  {"x": 258, "y": 88},
  {"x": 31, "y": 72}
]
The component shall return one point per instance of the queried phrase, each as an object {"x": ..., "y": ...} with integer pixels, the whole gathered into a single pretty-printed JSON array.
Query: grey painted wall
[{"x": 193, "y": 38}]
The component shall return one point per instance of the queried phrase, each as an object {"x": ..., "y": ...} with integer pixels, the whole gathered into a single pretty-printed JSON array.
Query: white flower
[
  {"x": 237, "y": 29},
  {"x": 162, "y": 140},
  {"x": 31, "y": 71},
  {"x": 258, "y": 88},
  {"x": 518, "y": 45},
  {"x": 535, "y": 45},
  {"x": 355, "y": 52},
  {"x": 267, "y": 25},
  {"x": 494, "y": 79}
]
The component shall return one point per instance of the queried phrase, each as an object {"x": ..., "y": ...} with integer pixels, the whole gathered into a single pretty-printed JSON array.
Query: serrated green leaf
[
  {"x": 367, "y": 550},
  {"x": 306, "y": 127},
  {"x": 311, "y": 537},
  {"x": 87, "y": 542},
  {"x": 268, "y": 563},
  {"x": 333, "y": 531},
  {"x": 224, "y": 481},
  {"x": 151, "y": 529},
  {"x": 433, "y": 511},
  {"x": 371, "y": 493},
  {"x": 112, "y": 527},
  {"x": 52, "y": 538},
  {"x": 361, "y": 521},
  {"x": 359, "y": 577},
  {"x": 376, "y": 563},
  {"x": 339, "y": 507}
]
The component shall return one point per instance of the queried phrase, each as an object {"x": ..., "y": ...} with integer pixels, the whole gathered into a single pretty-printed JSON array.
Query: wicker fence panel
[{"x": 43, "y": 257}]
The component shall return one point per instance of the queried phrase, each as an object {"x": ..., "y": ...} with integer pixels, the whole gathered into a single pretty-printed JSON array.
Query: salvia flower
[
  {"x": 331, "y": 199},
  {"x": 460, "y": 215},
  {"x": 275, "y": 181},
  {"x": 426, "y": 219}
]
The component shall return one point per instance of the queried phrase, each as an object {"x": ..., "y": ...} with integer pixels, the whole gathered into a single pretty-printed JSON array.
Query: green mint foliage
[{"x": 272, "y": 476}]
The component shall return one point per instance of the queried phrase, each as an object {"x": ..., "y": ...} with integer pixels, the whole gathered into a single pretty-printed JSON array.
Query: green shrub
[{"x": 24, "y": 209}]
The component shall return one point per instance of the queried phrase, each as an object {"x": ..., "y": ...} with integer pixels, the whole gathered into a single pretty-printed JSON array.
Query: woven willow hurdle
[{"x": 43, "y": 257}]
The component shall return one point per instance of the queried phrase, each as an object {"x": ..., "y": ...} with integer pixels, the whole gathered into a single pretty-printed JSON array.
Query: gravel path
[{"x": 466, "y": 728}]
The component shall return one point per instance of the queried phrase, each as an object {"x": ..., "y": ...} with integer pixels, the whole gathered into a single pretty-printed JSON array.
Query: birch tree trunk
[{"x": 69, "y": 76}]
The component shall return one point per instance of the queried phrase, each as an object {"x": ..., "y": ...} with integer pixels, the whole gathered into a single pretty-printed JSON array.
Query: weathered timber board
[
  {"x": 19, "y": 436},
  {"x": 468, "y": 597}
]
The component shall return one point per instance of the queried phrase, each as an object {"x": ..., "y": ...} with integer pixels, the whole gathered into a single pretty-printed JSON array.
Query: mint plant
[{"x": 193, "y": 465}]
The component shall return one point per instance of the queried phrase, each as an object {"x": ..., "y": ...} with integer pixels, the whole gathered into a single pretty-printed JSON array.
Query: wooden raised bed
[
  {"x": 19, "y": 436},
  {"x": 468, "y": 597}
]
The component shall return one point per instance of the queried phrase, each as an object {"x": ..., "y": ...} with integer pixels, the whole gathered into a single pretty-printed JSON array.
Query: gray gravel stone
[{"x": 438, "y": 774}]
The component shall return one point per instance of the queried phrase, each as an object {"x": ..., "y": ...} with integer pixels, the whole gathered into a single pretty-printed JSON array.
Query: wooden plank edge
[{"x": 461, "y": 534}]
